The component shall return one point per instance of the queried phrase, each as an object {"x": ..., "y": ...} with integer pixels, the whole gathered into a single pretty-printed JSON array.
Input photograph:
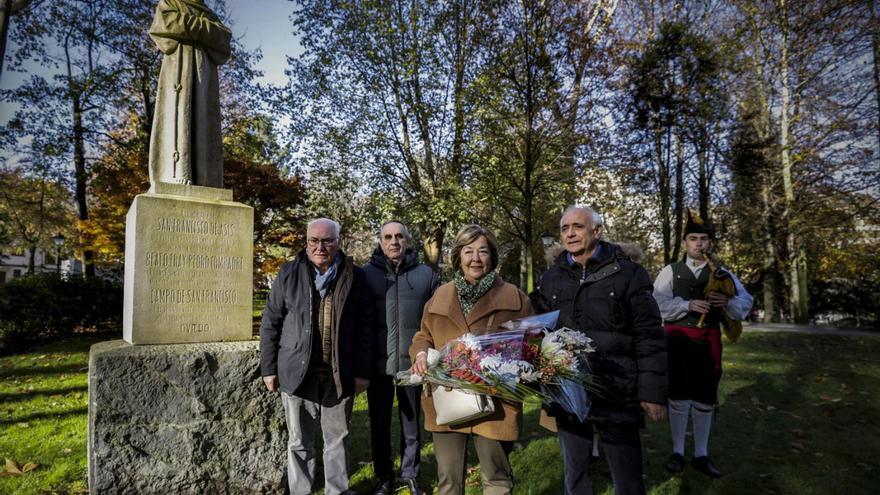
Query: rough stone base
[{"x": 183, "y": 419}]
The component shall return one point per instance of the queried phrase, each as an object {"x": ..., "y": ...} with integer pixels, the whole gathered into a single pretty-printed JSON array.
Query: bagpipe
[{"x": 720, "y": 280}]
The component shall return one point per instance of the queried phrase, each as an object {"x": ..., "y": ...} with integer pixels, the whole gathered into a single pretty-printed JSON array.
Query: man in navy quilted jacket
[{"x": 400, "y": 287}]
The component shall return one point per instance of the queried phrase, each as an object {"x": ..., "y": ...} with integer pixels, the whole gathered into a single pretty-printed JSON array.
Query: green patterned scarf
[{"x": 468, "y": 293}]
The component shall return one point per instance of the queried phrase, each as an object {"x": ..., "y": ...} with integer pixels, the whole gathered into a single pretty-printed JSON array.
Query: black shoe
[
  {"x": 705, "y": 466},
  {"x": 384, "y": 488},
  {"x": 412, "y": 485},
  {"x": 675, "y": 464}
]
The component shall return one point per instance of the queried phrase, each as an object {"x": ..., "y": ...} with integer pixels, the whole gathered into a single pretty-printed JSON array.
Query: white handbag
[{"x": 454, "y": 406}]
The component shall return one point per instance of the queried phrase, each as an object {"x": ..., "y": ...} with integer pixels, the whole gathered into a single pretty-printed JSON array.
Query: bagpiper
[{"x": 696, "y": 298}]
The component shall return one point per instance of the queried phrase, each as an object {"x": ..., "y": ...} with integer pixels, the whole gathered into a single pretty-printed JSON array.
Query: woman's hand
[{"x": 420, "y": 365}]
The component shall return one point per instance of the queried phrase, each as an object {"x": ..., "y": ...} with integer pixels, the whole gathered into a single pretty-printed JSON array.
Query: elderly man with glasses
[{"x": 316, "y": 348}]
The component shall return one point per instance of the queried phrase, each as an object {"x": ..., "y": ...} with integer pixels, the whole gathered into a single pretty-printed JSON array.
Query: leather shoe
[
  {"x": 675, "y": 464},
  {"x": 384, "y": 488},
  {"x": 412, "y": 485},
  {"x": 705, "y": 466}
]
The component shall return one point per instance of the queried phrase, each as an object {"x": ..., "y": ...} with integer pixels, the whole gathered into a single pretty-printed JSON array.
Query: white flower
[
  {"x": 433, "y": 357},
  {"x": 531, "y": 376},
  {"x": 470, "y": 342},
  {"x": 492, "y": 362},
  {"x": 508, "y": 371},
  {"x": 554, "y": 342}
]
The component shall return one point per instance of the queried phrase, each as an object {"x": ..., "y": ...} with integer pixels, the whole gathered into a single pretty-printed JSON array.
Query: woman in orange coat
[{"x": 477, "y": 301}]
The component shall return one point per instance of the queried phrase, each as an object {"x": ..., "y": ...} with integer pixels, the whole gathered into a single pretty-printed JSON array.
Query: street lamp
[
  {"x": 548, "y": 240},
  {"x": 59, "y": 241}
]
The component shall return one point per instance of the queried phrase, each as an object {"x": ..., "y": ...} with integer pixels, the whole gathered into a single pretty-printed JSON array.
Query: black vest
[{"x": 688, "y": 287}]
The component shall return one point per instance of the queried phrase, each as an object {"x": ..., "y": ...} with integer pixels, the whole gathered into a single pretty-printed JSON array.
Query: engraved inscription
[
  {"x": 191, "y": 271},
  {"x": 192, "y": 261},
  {"x": 192, "y": 296},
  {"x": 195, "y": 226},
  {"x": 194, "y": 327}
]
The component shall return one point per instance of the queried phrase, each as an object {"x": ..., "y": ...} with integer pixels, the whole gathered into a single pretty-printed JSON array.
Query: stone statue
[{"x": 186, "y": 146}]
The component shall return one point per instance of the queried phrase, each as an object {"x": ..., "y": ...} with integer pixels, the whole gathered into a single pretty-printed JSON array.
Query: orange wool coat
[{"x": 443, "y": 321}]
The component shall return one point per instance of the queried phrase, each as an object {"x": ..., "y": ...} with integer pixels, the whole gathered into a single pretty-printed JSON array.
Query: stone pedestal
[
  {"x": 188, "y": 266},
  {"x": 183, "y": 419}
]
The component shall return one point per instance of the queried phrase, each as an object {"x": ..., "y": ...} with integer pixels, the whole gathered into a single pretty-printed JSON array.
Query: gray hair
[
  {"x": 333, "y": 223},
  {"x": 405, "y": 229},
  {"x": 594, "y": 216}
]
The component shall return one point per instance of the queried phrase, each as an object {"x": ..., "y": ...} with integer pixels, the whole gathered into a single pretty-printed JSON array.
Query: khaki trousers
[{"x": 451, "y": 452}]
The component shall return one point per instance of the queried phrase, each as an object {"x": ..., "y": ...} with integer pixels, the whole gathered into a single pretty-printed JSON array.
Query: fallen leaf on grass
[{"x": 12, "y": 468}]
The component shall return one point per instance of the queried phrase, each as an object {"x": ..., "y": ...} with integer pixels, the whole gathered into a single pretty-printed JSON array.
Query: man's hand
[
  {"x": 420, "y": 366},
  {"x": 655, "y": 412},
  {"x": 717, "y": 299},
  {"x": 271, "y": 382},
  {"x": 699, "y": 306},
  {"x": 360, "y": 384}
]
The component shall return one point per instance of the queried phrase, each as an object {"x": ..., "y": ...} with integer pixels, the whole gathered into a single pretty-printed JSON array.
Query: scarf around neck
[
  {"x": 323, "y": 280},
  {"x": 468, "y": 293}
]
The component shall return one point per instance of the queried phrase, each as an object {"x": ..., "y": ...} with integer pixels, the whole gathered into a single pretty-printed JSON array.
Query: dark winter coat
[
  {"x": 399, "y": 296},
  {"x": 286, "y": 331},
  {"x": 611, "y": 301}
]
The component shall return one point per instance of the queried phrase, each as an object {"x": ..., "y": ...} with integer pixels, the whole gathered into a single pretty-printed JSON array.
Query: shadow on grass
[
  {"x": 43, "y": 370},
  {"x": 47, "y": 415},
  {"x": 11, "y": 397},
  {"x": 796, "y": 428},
  {"x": 788, "y": 419}
]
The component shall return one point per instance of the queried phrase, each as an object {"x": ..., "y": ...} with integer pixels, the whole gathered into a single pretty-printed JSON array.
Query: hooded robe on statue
[{"x": 185, "y": 145}]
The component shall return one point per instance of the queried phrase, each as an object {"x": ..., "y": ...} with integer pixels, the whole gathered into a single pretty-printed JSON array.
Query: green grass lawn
[{"x": 798, "y": 415}]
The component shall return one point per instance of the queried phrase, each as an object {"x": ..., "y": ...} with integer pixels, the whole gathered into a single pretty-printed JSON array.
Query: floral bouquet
[
  {"x": 565, "y": 371},
  {"x": 525, "y": 362}
]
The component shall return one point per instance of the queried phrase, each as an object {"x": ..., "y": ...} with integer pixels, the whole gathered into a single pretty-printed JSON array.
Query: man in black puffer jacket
[
  {"x": 400, "y": 286},
  {"x": 601, "y": 292}
]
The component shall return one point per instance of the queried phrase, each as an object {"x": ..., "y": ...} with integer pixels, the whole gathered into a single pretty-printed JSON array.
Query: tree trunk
[
  {"x": 679, "y": 197},
  {"x": 791, "y": 240},
  {"x": 32, "y": 255},
  {"x": 79, "y": 161},
  {"x": 875, "y": 41},
  {"x": 5, "y": 13},
  {"x": 432, "y": 245},
  {"x": 663, "y": 187},
  {"x": 769, "y": 264},
  {"x": 703, "y": 174},
  {"x": 803, "y": 291}
]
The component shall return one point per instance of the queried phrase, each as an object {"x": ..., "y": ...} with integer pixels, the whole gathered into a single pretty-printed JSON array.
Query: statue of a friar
[{"x": 186, "y": 146}]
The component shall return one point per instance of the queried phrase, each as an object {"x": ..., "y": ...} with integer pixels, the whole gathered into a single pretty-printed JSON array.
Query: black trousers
[
  {"x": 380, "y": 399},
  {"x": 621, "y": 445}
]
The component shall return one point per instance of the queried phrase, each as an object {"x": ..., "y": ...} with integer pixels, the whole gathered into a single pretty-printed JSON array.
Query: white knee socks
[
  {"x": 702, "y": 421},
  {"x": 702, "y": 414},
  {"x": 678, "y": 421}
]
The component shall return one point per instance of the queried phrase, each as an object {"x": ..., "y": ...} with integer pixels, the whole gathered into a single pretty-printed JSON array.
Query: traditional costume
[{"x": 694, "y": 346}]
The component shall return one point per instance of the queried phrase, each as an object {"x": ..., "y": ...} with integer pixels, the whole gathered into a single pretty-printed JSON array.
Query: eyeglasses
[{"x": 313, "y": 241}]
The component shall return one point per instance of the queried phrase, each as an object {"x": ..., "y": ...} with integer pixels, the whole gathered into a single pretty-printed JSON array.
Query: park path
[{"x": 792, "y": 328}]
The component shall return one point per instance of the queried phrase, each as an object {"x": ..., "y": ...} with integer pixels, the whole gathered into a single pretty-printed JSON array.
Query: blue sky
[{"x": 263, "y": 24}]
